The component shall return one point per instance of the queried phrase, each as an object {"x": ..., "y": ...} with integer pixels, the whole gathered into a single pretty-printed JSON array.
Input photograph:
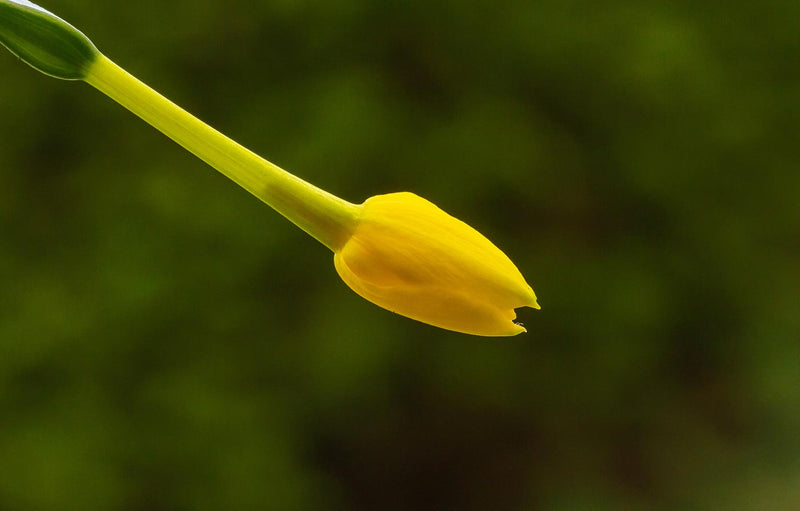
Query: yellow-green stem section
[{"x": 324, "y": 216}]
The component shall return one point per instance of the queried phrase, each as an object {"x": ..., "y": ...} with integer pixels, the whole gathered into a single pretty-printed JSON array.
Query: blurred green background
[{"x": 167, "y": 342}]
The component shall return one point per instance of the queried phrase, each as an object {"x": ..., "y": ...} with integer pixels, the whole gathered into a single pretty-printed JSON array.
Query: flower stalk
[
  {"x": 398, "y": 250},
  {"x": 324, "y": 216}
]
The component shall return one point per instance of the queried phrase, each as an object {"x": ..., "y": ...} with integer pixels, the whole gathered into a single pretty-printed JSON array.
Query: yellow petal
[{"x": 410, "y": 257}]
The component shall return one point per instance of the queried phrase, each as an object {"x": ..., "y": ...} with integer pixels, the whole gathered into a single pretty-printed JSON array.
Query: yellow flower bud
[
  {"x": 398, "y": 251},
  {"x": 410, "y": 257}
]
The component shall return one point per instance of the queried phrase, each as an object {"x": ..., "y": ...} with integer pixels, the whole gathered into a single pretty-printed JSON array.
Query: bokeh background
[{"x": 167, "y": 342}]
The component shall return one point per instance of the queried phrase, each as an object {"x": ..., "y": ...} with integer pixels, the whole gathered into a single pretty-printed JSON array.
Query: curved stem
[{"x": 324, "y": 216}]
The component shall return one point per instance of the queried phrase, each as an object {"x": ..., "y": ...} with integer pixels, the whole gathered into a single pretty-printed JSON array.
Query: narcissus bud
[
  {"x": 410, "y": 257},
  {"x": 398, "y": 251}
]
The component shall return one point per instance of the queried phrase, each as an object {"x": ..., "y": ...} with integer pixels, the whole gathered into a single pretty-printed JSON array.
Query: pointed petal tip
[
  {"x": 518, "y": 329},
  {"x": 530, "y": 298}
]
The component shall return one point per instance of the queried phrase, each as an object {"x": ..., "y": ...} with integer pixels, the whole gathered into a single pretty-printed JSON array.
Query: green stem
[{"x": 324, "y": 216}]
